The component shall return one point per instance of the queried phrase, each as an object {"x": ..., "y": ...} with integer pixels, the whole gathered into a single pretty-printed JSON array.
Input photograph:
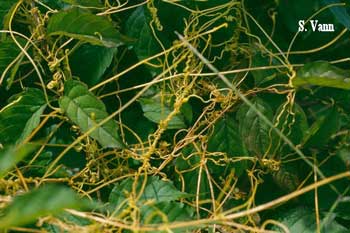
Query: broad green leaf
[
  {"x": 167, "y": 212},
  {"x": 8, "y": 52},
  {"x": 96, "y": 60},
  {"x": 85, "y": 26},
  {"x": 226, "y": 138},
  {"x": 253, "y": 130},
  {"x": 5, "y": 7},
  {"x": 322, "y": 73},
  {"x": 329, "y": 195},
  {"x": 11, "y": 155},
  {"x": 186, "y": 110},
  {"x": 155, "y": 190},
  {"x": 261, "y": 76},
  {"x": 157, "y": 196},
  {"x": 160, "y": 191},
  {"x": 47, "y": 200},
  {"x": 137, "y": 27},
  {"x": 19, "y": 118},
  {"x": 156, "y": 111},
  {"x": 327, "y": 123},
  {"x": 303, "y": 220},
  {"x": 86, "y": 110},
  {"x": 120, "y": 193},
  {"x": 189, "y": 167},
  {"x": 339, "y": 12},
  {"x": 290, "y": 12},
  {"x": 292, "y": 123}
]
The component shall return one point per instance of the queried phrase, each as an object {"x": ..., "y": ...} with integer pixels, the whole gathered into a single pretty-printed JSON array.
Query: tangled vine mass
[{"x": 174, "y": 116}]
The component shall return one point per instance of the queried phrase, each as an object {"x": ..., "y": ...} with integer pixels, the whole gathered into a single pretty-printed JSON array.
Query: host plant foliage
[{"x": 112, "y": 122}]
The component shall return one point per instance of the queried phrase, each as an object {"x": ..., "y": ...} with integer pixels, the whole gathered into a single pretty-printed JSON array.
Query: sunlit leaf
[
  {"x": 155, "y": 190},
  {"x": 85, "y": 26},
  {"x": 156, "y": 111},
  {"x": 166, "y": 213},
  {"x": 322, "y": 74},
  {"x": 157, "y": 196},
  {"x": 86, "y": 110},
  {"x": 303, "y": 220}
]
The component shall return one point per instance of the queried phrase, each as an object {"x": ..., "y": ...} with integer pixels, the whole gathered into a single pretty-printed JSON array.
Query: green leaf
[
  {"x": 47, "y": 200},
  {"x": 133, "y": 118},
  {"x": 226, "y": 138},
  {"x": 5, "y": 7},
  {"x": 189, "y": 167},
  {"x": 120, "y": 193},
  {"x": 327, "y": 123},
  {"x": 86, "y": 110},
  {"x": 19, "y": 118},
  {"x": 13, "y": 72},
  {"x": 303, "y": 220},
  {"x": 186, "y": 110},
  {"x": 155, "y": 190},
  {"x": 155, "y": 111},
  {"x": 344, "y": 154},
  {"x": 339, "y": 12},
  {"x": 253, "y": 130},
  {"x": 84, "y": 3},
  {"x": 96, "y": 60},
  {"x": 171, "y": 212},
  {"x": 55, "y": 4},
  {"x": 11, "y": 155},
  {"x": 137, "y": 27},
  {"x": 292, "y": 123},
  {"x": 85, "y": 26},
  {"x": 157, "y": 196},
  {"x": 261, "y": 76},
  {"x": 160, "y": 191},
  {"x": 8, "y": 52},
  {"x": 322, "y": 73},
  {"x": 290, "y": 12},
  {"x": 66, "y": 218}
]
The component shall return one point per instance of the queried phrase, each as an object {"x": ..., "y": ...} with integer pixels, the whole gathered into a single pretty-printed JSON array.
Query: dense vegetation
[{"x": 174, "y": 116}]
